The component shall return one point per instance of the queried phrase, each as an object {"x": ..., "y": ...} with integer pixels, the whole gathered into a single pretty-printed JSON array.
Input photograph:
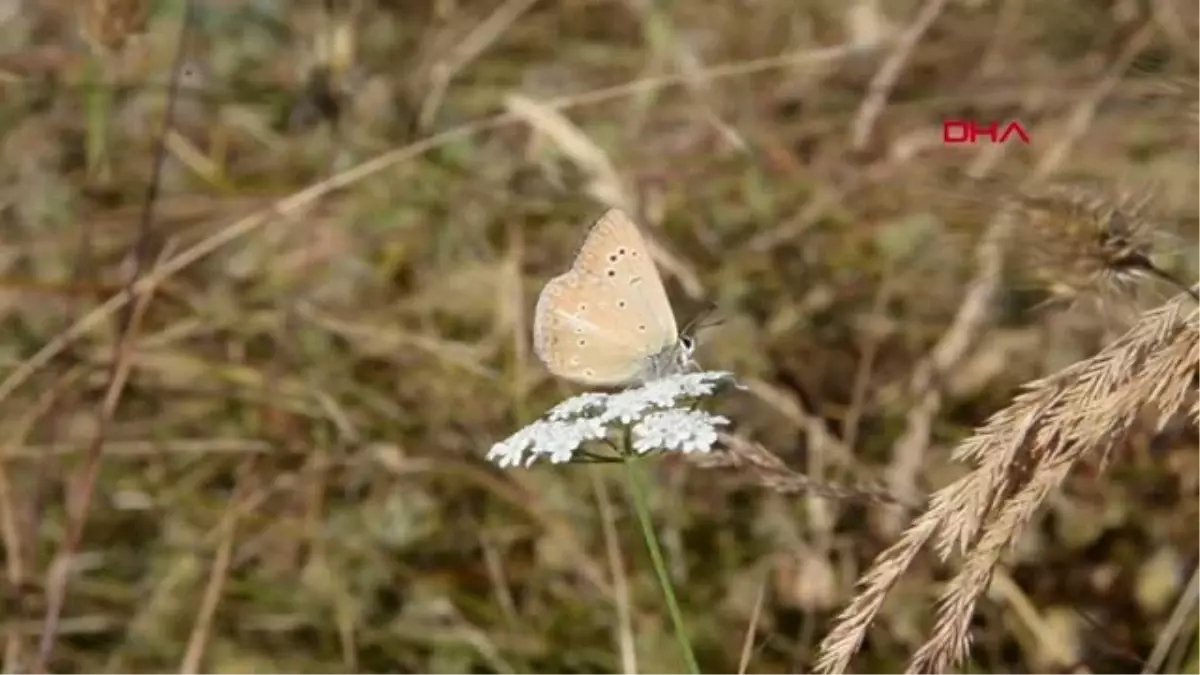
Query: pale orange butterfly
[{"x": 607, "y": 320}]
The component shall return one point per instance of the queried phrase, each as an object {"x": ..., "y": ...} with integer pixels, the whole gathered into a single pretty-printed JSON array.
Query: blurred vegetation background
[{"x": 292, "y": 476}]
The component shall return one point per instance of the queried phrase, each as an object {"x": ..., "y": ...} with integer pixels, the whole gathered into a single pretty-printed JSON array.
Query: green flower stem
[
  {"x": 97, "y": 104},
  {"x": 637, "y": 490}
]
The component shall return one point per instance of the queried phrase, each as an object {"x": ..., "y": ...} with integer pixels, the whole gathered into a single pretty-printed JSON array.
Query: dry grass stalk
[
  {"x": 1024, "y": 452},
  {"x": 970, "y": 321},
  {"x": 772, "y": 473}
]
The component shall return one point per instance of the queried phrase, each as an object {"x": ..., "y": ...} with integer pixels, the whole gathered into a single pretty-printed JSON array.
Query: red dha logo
[{"x": 966, "y": 131}]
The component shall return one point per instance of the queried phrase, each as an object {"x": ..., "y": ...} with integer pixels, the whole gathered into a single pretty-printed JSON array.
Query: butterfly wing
[
  {"x": 577, "y": 334},
  {"x": 598, "y": 322},
  {"x": 615, "y": 250}
]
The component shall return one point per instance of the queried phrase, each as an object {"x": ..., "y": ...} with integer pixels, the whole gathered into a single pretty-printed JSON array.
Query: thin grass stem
[{"x": 637, "y": 490}]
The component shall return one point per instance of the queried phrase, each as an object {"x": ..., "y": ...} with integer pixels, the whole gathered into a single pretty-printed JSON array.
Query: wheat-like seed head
[{"x": 1023, "y": 453}]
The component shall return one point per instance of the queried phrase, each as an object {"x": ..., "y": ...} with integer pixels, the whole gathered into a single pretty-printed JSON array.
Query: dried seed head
[
  {"x": 1075, "y": 239},
  {"x": 1069, "y": 236}
]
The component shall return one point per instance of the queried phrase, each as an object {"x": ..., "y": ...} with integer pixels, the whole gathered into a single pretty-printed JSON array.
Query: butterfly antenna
[{"x": 700, "y": 320}]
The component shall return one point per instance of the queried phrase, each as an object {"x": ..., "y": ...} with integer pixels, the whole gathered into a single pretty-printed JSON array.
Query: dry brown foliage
[
  {"x": 363, "y": 200},
  {"x": 1023, "y": 453},
  {"x": 107, "y": 24}
]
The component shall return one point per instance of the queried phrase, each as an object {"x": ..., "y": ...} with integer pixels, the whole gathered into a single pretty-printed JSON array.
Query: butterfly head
[
  {"x": 687, "y": 345},
  {"x": 682, "y": 351},
  {"x": 674, "y": 359}
]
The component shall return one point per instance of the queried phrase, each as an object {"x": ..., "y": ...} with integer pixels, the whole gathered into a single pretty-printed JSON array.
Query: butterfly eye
[{"x": 688, "y": 342}]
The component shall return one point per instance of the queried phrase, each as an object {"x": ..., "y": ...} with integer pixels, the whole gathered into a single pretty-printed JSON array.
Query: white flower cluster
[{"x": 657, "y": 424}]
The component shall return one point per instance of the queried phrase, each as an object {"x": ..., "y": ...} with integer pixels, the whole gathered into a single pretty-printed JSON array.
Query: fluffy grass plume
[{"x": 1075, "y": 239}]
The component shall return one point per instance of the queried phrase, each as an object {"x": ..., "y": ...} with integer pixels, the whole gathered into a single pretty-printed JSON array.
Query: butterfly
[{"x": 607, "y": 320}]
